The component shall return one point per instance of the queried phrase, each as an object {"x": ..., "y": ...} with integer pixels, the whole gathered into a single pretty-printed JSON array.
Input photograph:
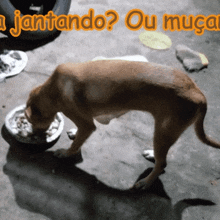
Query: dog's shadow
[{"x": 58, "y": 189}]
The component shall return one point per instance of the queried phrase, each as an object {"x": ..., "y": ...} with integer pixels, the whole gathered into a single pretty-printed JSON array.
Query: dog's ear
[{"x": 28, "y": 112}]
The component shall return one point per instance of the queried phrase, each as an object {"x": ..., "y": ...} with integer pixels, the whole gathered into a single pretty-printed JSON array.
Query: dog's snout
[{"x": 26, "y": 115}]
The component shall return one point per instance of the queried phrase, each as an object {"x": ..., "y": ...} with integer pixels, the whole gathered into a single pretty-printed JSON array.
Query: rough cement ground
[{"x": 43, "y": 187}]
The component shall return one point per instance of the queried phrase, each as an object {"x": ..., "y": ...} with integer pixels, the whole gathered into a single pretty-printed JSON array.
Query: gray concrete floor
[{"x": 41, "y": 186}]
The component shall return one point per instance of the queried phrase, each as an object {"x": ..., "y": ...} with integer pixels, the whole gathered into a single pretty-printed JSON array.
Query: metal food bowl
[{"x": 46, "y": 142}]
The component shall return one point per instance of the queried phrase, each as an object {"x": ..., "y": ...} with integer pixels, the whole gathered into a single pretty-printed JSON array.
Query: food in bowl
[{"x": 18, "y": 125}]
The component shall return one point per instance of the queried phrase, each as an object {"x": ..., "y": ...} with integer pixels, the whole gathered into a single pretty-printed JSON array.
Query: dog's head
[{"x": 37, "y": 111}]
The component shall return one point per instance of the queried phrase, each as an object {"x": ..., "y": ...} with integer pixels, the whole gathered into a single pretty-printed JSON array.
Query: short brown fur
[{"x": 85, "y": 91}]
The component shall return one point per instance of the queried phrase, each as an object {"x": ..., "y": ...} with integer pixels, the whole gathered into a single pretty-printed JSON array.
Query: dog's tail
[{"x": 199, "y": 128}]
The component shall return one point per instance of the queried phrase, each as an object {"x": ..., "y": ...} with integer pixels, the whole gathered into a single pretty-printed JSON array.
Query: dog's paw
[
  {"x": 75, "y": 158},
  {"x": 141, "y": 185},
  {"x": 72, "y": 133},
  {"x": 61, "y": 153},
  {"x": 149, "y": 154}
]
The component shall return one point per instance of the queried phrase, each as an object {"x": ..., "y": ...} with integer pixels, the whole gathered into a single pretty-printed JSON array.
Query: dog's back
[{"x": 112, "y": 84}]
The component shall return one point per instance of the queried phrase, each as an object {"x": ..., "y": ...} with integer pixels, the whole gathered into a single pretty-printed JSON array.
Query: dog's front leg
[{"x": 85, "y": 129}]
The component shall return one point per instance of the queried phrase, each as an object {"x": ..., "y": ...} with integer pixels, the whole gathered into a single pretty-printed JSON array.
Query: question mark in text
[{"x": 113, "y": 20}]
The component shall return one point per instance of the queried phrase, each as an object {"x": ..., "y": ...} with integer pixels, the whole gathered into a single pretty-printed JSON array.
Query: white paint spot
[{"x": 139, "y": 58}]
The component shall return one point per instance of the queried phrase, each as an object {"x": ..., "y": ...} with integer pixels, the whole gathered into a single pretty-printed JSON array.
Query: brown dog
[{"x": 87, "y": 90}]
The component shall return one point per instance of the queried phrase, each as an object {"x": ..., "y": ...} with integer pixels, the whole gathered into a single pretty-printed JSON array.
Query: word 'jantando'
[
  {"x": 62, "y": 22},
  {"x": 90, "y": 21}
]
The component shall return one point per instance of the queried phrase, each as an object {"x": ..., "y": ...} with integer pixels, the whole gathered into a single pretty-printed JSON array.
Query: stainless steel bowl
[{"x": 14, "y": 132}]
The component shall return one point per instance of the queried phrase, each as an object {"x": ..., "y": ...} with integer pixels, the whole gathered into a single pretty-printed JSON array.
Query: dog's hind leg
[{"x": 167, "y": 131}]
